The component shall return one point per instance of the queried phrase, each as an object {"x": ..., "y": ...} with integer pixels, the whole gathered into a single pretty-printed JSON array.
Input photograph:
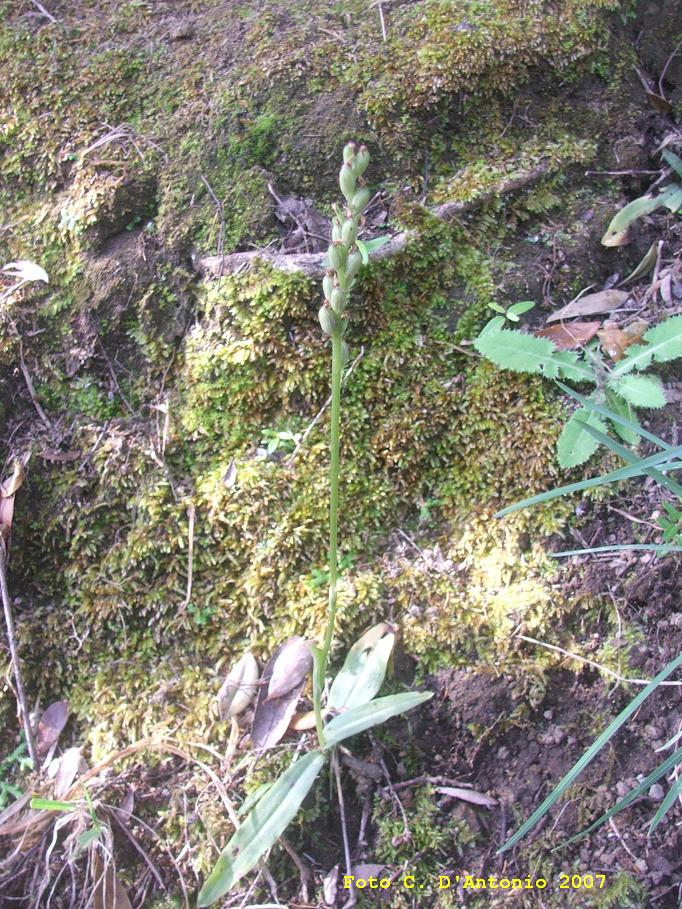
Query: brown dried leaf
[
  {"x": 302, "y": 722},
  {"x": 272, "y": 715},
  {"x": 11, "y": 484},
  {"x": 468, "y": 795},
  {"x": 591, "y": 305},
  {"x": 70, "y": 765},
  {"x": 290, "y": 668},
  {"x": 238, "y": 689},
  {"x": 615, "y": 341},
  {"x": 566, "y": 337},
  {"x": 108, "y": 893},
  {"x": 50, "y": 726}
]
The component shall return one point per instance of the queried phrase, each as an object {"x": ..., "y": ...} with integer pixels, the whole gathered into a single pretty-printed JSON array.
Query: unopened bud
[
  {"x": 349, "y": 231},
  {"x": 353, "y": 265},
  {"x": 336, "y": 231},
  {"x": 337, "y": 257},
  {"x": 361, "y": 161},
  {"x": 349, "y": 152},
  {"x": 328, "y": 286},
  {"x": 347, "y": 181},
  {"x": 359, "y": 200},
  {"x": 338, "y": 300},
  {"x": 328, "y": 320}
]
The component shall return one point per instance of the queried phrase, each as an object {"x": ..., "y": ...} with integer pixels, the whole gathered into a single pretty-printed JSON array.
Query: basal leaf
[
  {"x": 527, "y": 353},
  {"x": 673, "y": 160},
  {"x": 663, "y": 343},
  {"x": 378, "y": 711},
  {"x": 575, "y": 445},
  {"x": 364, "y": 670},
  {"x": 640, "y": 391},
  {"x": 617, "y": 231},
  {"x": 623, "y": 410},
  {"x": 263, "y": 826}
]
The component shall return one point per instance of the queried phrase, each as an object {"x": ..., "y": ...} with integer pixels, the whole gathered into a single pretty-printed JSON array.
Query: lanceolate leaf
[
  {"x": 664, "y": 343},
  {"x": 617, "y": 231},
  {"x": 363, "y": 672},
  {"x": 640, "y": 391},
  {"x": 575, "y": 444},
  {"x": 263, "y": 826},
  {"x": 378, "y": 711}
]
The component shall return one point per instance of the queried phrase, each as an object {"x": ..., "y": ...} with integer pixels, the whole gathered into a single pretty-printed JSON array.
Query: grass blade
[
  {"x": 666, "y": 804},
  {"x": 633, "y": 794},
  {"x": 613, "y": 417},
  {"x": 623, "y": 473},
  {"x": 662, "y": 548},
  {"x": 590, "y": 754}
]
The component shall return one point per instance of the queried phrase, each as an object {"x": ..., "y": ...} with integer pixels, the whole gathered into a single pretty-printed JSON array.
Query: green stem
[{"x": 337, "y": 370}]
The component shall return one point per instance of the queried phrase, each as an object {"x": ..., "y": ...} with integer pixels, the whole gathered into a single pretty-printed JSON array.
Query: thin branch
[
  {"x": 31, "y": 389},
  {"x": 41, "y": 9},
  {"x": 14, "y": 652},
  {"x": 191, "y": 511},
  {"x": 582, "y": 659},
  {"x": 314, "y": 264}
]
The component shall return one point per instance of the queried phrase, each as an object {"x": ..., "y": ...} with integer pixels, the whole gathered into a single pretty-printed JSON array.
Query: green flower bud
[
  {"x": 328, "y": 320},
  {"x": 345, "y": 353},
  {"x": 328, "y": 286},
  {"x": 361, "y": 161},
  {"x": 349, "y": 231},
  {"x": 336, "y": 231},
  {"x": 359, "y": 200},
  {"x": 349, "y": 152},
  {"x": 347, "y": 181},
  {"x": 353, "y": 265},
  {"x": 337, "y": 257},
  {"x": 338, "y": 300}
]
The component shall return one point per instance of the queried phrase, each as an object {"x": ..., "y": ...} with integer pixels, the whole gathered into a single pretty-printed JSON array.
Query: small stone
[
  {"x": 183, "y": 31},
  {"x": 656, "y": 792}
]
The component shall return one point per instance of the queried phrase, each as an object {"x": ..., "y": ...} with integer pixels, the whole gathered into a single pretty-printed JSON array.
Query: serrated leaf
[
  {"x": 378, "y": 711},
  {"x": 364, "y": 669},
  {"x": 263, "y": 826},
  {"x": 239, "y": 688},
  {"x": 575, "y": 445},
  {"x": 290, "y": 668},
  {"x": 640, "y": 391},
  {"x": 663, "y": 343},
  {"x": 525, "y": 353},
  {"x": 617, "y": 231}
]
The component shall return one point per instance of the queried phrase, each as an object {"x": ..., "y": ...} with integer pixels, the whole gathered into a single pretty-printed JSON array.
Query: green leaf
[
  {"x": 625, "y": 547},
  {"x": 590, "y": 754},
  {"x": 518, "y": 309},
  {"x": 674, "y": 162},
  {"x": 623, "y": 409},
  {"x": 88, "y": 836},
  {"x": 664, "y": 343},
  {"x": 575, "y": 444},
  {"x": 263, "y": 826},
  {"x": 378, "y": 711},
  {"x": 634, "y": 793},
  {"x": 637, "y": 469},
  {"x": 616, "y": 233},
  {"x": 640, "y": 391},
  {"x": 376, "y": 243},
  {"x": 614, "y": 416},
  {"x": 667, "y": 803},
  {"x": 364, "y": 252},
  {"x": 364, "y": 670},
  {"x": 51, "y": 805},
  {"x": 673, "y": 199},
  {"x": 526, "y": 353}
]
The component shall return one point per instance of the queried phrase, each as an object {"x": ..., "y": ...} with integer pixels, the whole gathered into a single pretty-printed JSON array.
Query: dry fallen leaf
[
  {"x": 591, "y": 305},
  {"x": 272, "y": 716},
  {"x": 108, "y": 893},
  {"x": 615, "y": 341},
  {"x": 50, "y": 726},
  {"x": 238, "y": 689},
  {"x": 290, "y": 668},
  {"x": 468, "y": 795},
  {"x": 566, "y": 337}
]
